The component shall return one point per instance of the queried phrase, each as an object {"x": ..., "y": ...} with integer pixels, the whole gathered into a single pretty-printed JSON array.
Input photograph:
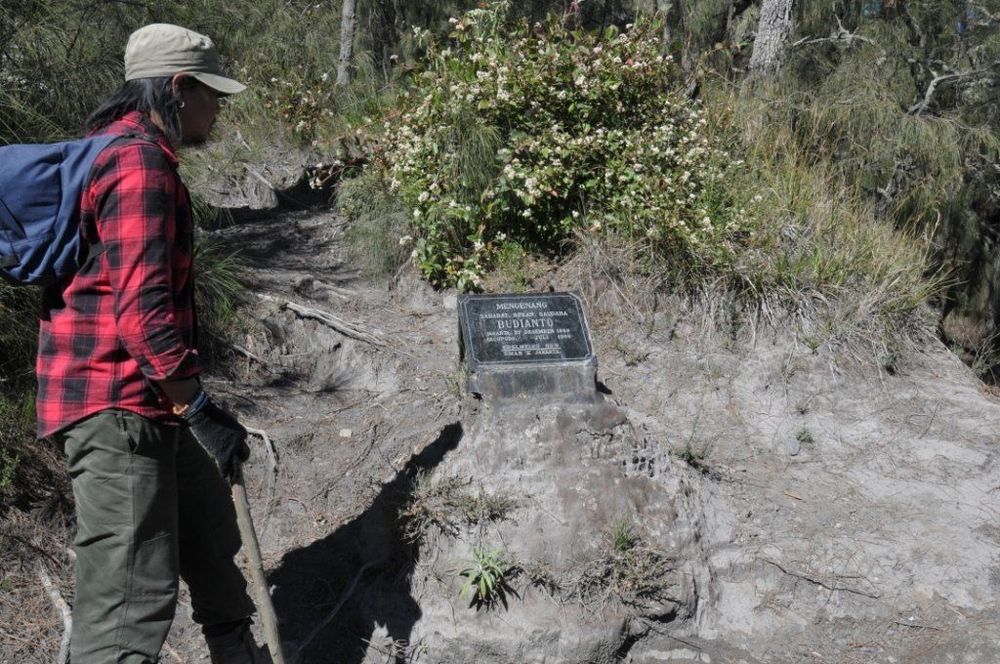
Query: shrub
[{"x": 518, "y": 134}]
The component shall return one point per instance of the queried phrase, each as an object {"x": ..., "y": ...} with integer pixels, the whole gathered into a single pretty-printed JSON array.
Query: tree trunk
[
  {"x": 347, "y": 25},
  {"x": 669, "y": 11},
  {"x": 773, "y": 31},
  {"x": 383, "y": 33}
]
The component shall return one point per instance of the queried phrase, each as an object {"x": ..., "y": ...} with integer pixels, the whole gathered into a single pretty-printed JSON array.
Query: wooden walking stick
[{"x": 265, "y": 608}]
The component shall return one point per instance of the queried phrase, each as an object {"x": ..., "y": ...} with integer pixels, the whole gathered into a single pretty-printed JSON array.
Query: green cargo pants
[{"x": 150, "y": 505}]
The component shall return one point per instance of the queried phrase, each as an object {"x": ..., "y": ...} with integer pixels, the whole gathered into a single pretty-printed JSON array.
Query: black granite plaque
[{"x": 524, "y": 330}]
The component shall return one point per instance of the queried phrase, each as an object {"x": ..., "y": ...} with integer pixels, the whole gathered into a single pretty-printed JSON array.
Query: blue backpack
[{"x": 40, "y": 191}]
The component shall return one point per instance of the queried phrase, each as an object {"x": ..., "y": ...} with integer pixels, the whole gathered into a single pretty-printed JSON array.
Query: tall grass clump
[
  {"x": 516, "y": 137},
  {"x": 817, "y": 242},
  {"x": 905, "y": 111},
  {"x": 219, "y": 287},
  {"x": 374, "y": 235}
]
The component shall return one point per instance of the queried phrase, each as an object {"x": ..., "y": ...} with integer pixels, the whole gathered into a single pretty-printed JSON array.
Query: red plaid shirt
[{"x": 127, "y": 317}]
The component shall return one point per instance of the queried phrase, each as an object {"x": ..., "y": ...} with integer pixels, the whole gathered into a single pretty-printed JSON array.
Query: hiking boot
[{"x": 236, "y": 647}]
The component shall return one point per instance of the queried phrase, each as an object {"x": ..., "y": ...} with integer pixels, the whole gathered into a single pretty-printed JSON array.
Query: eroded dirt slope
[
  {"x": 845, "y": 513},
  {"x": 831, "y": 511}
]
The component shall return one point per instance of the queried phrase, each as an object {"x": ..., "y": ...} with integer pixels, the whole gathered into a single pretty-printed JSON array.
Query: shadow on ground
[{"x": 371, "y": 552}]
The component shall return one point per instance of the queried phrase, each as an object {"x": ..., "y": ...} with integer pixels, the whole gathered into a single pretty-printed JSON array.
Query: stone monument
[{"x": 521, "y": 345}]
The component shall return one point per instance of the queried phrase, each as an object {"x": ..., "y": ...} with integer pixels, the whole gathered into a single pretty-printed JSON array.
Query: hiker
[{"x": 149, "y": 454}]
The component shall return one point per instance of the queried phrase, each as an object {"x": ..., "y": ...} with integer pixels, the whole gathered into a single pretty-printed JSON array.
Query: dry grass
[
  {"x": 452, "y": 505},
  {"x": 32, "y": 625}
]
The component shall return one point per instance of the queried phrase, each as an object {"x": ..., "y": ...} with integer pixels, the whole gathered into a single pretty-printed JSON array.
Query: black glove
[{"x": 218, "y": 432}]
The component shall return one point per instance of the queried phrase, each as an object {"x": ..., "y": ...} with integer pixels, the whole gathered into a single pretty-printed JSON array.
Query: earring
[{"x": 181, "y": 105}]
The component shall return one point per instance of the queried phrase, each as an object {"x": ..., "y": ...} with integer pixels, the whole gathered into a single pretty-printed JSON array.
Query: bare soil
[{"x": 842, "y": 513}]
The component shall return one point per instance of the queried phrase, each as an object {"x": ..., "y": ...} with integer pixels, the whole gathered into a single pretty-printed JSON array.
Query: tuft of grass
[
  {"x": 18, "y": 335},
  {"x": 622, "y": 536},
  {"x": 688, "y": 455},
  {"x": 450, "y": 506},
  {"x": 220, "y": 284},
  {"x": 9, "y": 462},
  {"x": 631, "y": 571},
  {"x": 378, "y": 221},
  {"x": 17, "y": 438}
]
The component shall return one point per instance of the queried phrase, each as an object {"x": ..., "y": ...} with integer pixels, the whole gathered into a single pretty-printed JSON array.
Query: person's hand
[{"x": 218, "y": 432}]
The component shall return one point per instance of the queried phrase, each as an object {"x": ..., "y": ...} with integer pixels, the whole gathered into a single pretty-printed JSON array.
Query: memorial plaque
[
  {"x": 524, "y": 329},
  {"x": 533, "y": 343}
]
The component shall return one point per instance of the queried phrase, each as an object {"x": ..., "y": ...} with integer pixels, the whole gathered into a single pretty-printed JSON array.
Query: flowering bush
[
  {"x": 526, "y": 134},
  {"x": 303, "y": 103}
]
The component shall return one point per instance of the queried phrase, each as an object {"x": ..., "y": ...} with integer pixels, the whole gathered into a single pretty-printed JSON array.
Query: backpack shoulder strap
[{"x": 92, "y": 250}]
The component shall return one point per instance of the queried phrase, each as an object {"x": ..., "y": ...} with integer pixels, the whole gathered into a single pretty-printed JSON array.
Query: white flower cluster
[{"x": 596, "y": 135}]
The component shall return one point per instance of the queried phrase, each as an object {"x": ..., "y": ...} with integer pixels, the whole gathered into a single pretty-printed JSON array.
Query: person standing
[{"x": 148, "y": 453}]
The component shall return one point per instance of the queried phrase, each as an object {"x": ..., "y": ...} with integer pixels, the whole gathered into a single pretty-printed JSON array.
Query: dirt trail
[
  {"x": 843, "y": 514},
  {"x": 349, "y": 411}
]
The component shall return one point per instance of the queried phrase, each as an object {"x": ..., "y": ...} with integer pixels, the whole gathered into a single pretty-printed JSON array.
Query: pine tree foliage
[{"x": 903, "y": 96}]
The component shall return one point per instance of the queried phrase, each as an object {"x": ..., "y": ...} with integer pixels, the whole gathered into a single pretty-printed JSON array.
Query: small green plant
[
  {"x": 622, "y": 536},
  {"x": 805, "y": 437},
  {"x": 487, "y": 578},
  {"x": 688, "y": 455}
]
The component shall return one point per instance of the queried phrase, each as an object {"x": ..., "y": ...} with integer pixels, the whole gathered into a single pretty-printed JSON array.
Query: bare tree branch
[
  {"x": 839, "y": 36},
  {"x": 938, "y": 79}
]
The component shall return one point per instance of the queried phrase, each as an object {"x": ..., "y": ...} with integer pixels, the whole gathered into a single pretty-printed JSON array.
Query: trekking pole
[{"x": 265, "y": 608}]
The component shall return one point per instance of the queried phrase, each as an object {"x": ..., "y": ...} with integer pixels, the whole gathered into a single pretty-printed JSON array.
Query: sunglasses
[{"x": 221, "y": 100}]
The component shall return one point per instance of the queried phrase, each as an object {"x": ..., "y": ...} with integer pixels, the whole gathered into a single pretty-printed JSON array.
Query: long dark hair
[{"x": 146, "y": 95}]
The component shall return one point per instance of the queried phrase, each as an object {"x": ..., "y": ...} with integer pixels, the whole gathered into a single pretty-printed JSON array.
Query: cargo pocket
[
  {"x": 151, "y": 599},
  {"x": 154, "y": 571}
]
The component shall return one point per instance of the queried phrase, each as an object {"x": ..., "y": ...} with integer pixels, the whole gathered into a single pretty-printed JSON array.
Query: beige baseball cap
[{"x": 162, "y": 49}]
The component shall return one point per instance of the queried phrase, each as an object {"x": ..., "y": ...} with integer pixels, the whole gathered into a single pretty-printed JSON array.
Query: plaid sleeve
[{"x": 136, "y": 222}]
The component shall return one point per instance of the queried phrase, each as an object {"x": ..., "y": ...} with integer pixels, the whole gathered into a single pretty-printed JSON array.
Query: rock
[
  {"x": 572, "y": 472},
  {"x": 260, "y": 187}
]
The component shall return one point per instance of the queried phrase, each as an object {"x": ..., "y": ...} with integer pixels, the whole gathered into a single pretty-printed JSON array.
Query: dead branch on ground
[
  {"x": 821, "y": 582},
  {"x": 64, "y": 611},
  {"x": 272, "y": 462},
  {"x": 249, "y": 355},
  {"x": 348, "y": 329},
  {"x": 272, "y": 454}
]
